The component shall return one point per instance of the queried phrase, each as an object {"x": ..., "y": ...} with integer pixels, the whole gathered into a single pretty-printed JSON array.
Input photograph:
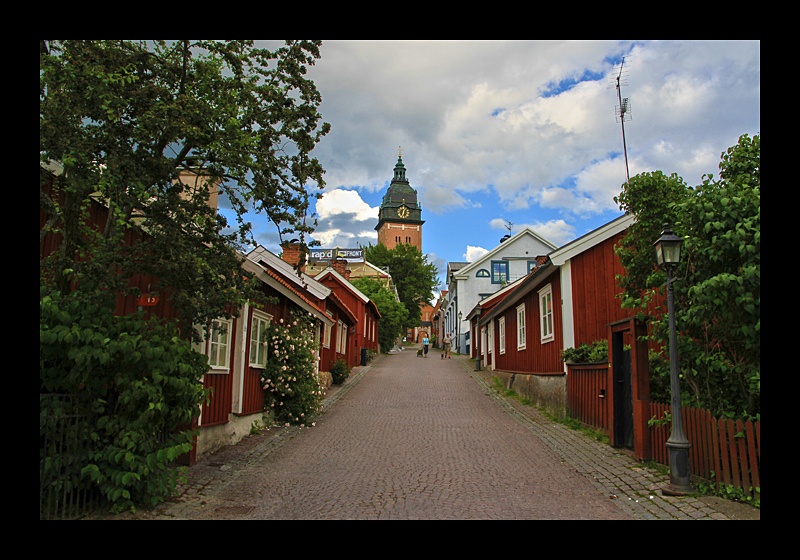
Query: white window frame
[
  {"x": 547, "y": 329},
  {"x": 521, "y": 328},
  {"x": 215, "y": 347},
  {"x": 326, "y": 332},
  {"x": 259, "y": 354},
  {"x": 341, "y": 339},
  {"x": 501, "y": 332}
]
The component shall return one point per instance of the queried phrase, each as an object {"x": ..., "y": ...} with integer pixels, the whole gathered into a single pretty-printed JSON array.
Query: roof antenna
[
  {"x": 508, "y": 226},
  {"x": 623, "y": 111}
]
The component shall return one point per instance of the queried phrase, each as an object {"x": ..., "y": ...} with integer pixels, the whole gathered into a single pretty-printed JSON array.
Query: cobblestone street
[{"x": 415, "y": 438}]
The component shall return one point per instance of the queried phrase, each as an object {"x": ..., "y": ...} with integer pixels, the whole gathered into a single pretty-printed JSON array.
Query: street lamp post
[
  {"x": 458, "y": 332},
  {"x": 668, "y": 256}
]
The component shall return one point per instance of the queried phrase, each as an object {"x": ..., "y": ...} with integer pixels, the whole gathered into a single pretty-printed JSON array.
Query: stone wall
[{"x": 548, "y": 392}]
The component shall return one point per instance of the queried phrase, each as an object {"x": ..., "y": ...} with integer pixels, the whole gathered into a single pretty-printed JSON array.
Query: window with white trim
[
  {"x": 546, "y": 313},
  {"x": 326, "y": 332},
  {"x": 341, "y": 338},
  {"x": 521, "y": 340},
  {"x": 501, "y": 332},
  {"x": 218, "y": 349},
  {"x": 258, "y": 350}
]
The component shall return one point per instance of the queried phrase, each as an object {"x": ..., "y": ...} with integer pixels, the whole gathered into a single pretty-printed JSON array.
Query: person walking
[
  {"x": 447, "y": 342},
  {"x": 425, "y": 346}
]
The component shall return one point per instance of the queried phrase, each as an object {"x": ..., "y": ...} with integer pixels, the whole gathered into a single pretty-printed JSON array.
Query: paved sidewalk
[
  {"x": 234, "y": 483},
  {"x": 616, "y": 474}
]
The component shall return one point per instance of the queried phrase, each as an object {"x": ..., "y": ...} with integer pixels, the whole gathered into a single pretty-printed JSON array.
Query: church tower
[{"x": 400, "y": 215}]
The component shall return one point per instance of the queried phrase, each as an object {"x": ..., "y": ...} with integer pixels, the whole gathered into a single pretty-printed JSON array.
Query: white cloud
[
  {"x": 344, "y": 219},
  {"x": 474, "y": 253},
  {"x": 340, "y": 201},
  {"x": 530, "y": 124}
]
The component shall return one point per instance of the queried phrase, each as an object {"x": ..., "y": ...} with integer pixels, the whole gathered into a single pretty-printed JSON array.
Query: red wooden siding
[
  {"x": 252, "y": 389},
  {"x": 217, "y": 409},
  {"x": 594, "y": 290},
  {"x": 537, "y": 357}
]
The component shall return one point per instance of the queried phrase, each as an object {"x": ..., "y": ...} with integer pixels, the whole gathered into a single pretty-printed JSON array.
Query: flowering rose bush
[{"x": 291, "y": 388}]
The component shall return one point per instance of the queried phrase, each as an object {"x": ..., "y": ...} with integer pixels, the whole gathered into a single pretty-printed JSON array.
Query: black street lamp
[
  {"x": 458, "y": 332},
  {"x": 668, "y": 256}
]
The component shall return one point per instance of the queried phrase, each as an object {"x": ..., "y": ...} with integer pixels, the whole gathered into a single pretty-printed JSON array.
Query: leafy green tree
[
  {"x": 648, "y": 196},
  {"x": 121, "y": 119},
  {"x": 721, "y": 292},
  {"x": 718, "y": 284},
  {"x": 394, "y": 315},
  {"x": 412, "y": 274}
]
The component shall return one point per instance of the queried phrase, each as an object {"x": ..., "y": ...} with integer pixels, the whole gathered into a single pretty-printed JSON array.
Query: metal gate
[{"x": 65, "y": 446}]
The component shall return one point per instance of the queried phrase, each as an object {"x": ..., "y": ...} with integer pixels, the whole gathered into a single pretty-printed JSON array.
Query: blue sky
[{"x": 517, "y": 131}]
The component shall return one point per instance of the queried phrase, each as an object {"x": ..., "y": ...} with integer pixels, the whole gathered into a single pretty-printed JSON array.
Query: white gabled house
[{"x": 511, "y": 260}]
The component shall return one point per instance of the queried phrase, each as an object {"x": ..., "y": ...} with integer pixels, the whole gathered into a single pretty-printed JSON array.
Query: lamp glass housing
[{"x": 668, "y": 248}]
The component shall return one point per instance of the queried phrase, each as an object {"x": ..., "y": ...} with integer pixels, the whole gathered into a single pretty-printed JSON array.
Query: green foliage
[
  {"x": 394, "y": 314},
  {"x": 412, "y": 274},
  {"x": 339, "y": 371},
  {"x": 122, "y": 119},
  {"x": 144, "y": 381},
  {"x": 291, "y": 387},
  {"x": 718, "y": 284},
  {"x": 595, "y": 352},
  {"x": 649, "y": 196}
]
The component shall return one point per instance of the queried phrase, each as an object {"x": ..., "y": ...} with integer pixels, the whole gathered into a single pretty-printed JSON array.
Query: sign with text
[
  {"x": 147, "y": 300},
  {"x": 330, "y": 254}
]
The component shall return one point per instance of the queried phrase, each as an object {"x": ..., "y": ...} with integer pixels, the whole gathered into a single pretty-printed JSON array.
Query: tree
[
  {"x": 123, "y": 118},
  {"x": 394, "y": 315},
  {"x": 648, "y": 196},
  {"x": 721, "y": 295},
  {"x": 412, "y": 274},
  {"x": 718, "y": 284}
]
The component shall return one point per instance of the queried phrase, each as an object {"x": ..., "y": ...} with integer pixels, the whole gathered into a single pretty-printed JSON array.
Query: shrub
[
  {"x": 339, "y": 371},
  {"x": 291, "y": 387},
  {"x": 142, "y": 381},
  {"x": 595, "y": 352}
]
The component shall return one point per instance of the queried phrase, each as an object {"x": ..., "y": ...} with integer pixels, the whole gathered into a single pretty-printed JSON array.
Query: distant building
[{"x": 400, "y": 214}]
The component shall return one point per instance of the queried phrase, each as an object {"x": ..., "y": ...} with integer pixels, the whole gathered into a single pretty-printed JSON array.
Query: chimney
[
  {"x": 197, "y": 181},
  {"x": 340, "y": 266},
  {"x": 295, "y": 255}
]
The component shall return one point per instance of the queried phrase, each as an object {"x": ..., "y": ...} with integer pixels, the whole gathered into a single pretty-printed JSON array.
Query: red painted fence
[
  {"x": 587, "y": 397},
  {"x": 724, "y": 450}
]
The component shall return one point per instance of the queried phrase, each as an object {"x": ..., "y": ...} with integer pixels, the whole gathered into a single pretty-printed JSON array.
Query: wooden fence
[
  {"x": 586, "y": 395},
  {"x": 723, "y": 450}
]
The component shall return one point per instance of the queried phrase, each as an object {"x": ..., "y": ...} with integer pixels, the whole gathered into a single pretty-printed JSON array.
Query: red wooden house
[
  {"x": 365, "y": 334},
  {"x": 233, "y": 345},
  {"x": 568, "y": 300}
]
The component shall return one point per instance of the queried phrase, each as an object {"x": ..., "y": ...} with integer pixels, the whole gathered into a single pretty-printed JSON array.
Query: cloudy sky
[{"x": 520, "y": 132}]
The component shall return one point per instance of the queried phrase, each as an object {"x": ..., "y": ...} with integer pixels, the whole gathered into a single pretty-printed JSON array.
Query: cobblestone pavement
[{"x": 416, "y": 438}]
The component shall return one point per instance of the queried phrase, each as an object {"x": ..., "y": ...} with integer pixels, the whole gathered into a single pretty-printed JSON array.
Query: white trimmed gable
[
  {"x": 525, "y": 244},
  {"x": 302, "y": 279}
]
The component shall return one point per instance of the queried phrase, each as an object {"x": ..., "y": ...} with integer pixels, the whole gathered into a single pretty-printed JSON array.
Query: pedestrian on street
[
  {"x": 425, "y": 346},
  {"x": 447, "y": 342}
]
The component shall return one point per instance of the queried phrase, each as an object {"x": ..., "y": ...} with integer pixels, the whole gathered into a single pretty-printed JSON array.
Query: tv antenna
[
  {"x": 623, "y": 110},
  {"x": 508, "y": 226}
]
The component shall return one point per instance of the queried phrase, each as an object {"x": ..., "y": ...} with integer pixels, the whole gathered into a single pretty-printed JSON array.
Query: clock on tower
[{"x": 400, "y": 215}]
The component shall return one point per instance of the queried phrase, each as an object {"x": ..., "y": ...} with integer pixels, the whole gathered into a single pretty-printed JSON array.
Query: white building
[{"x": 468, "y": 283}]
